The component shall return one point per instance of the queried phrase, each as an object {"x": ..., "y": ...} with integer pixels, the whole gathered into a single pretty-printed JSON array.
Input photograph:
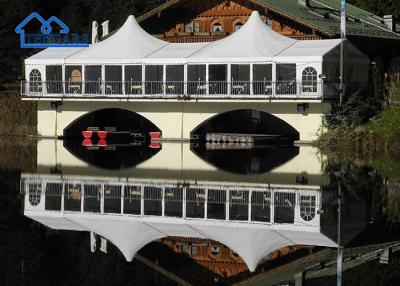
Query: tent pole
[{"x": 342, "y": 38}]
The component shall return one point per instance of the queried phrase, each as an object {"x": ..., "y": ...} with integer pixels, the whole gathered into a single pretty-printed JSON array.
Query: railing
[
  {"x": 175, "y": 89},
  {"x": 96, "y": 195}
]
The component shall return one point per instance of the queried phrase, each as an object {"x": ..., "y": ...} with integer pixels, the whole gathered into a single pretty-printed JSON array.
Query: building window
[
  {"x": 307, "y": 207},
  {"x": 309, "y": 79},
  {"x": 237, "y": 26},
  {"x": 217, "y": 28},
  {"x": 35, "y": 81},
  {"x": 35, "y": 191},
  {"x": 193, "y": 26},
  {"x": 215, "y": 250}
]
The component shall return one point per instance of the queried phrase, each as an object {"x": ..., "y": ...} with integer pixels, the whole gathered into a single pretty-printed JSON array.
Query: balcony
[{"x": 196, "y": 90}]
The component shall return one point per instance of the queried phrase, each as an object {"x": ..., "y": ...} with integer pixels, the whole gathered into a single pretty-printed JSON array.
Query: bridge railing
[{"x": 175, "y": 89}]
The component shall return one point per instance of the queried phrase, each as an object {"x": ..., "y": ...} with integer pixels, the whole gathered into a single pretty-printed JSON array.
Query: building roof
[
  {"x": 254, "y": 42},
  {"x": 252, "y": 242},
  {"x": 322, "y": 16}
]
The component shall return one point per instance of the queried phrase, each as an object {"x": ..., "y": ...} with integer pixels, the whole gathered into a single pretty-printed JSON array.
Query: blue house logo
[{"x": 61, "y": 39}]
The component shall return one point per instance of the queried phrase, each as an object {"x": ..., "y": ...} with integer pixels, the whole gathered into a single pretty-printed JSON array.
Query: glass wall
[
  {"x": 175, "y": 79},
  {"x": 154, "y": 79},
  {"x": 113, "y": 79},
  {"x": 73, "y": 79},
  {"x": 54, "y": 79},
  {"x": 218, "y": 79},
  {"x": 286, "y": 79},
  {"x": 93, "y": 80},
  {"x": 240, "y": 76},
  {"x": 196, "y": 77},
  {"x": 133, "y": 79},
  {"x": 262, "y": 79}
]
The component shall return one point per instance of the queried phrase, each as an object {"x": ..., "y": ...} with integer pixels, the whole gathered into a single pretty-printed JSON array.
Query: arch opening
[
  {"x": 125, "y": 141},
  {"x": 270, "y": 145}
]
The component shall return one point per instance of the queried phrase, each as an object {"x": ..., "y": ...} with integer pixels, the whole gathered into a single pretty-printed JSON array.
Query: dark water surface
[{"x": 193, "y": 215}]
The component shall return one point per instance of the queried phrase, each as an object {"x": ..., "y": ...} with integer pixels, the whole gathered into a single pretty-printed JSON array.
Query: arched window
[
  {"x": 309, "y": 79},
  {"x": 307, "y": 207},
  {"x": 217, "y": 27},
  {"x": 35, "y": 191},
  {"x": 35, "y": 81},
  {"x": 237, "y": 26}
]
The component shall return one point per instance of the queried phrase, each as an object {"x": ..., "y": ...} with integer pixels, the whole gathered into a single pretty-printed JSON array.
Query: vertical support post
[
  {"x": 252, "y": 80},
  {"x": 163, "y": 202},
  {"x": 142, "y": 200},
  {"x": 164, "y": 79},
  {"x": 62, "y": 197},
  {"x": 249, "y": 202},
  {"x": 83, "y": 80},
  {"x": 143, "y": 80},
  {"x": 342, "y": 38},
  {"x": 340, "y": 249},
  {"x": 229, "y": 76},
  {"x": 207, "y": 79},
  {"x": 206, "y": 204},
  {"x": 184, "y": 189},
  {"x": 185, "y": 79},
  {"x": 82, "y": 198},
  {"x": 102, "y": 198},
  {"x": 103, "y": 79},
  {"x": 273, "y": 83},
  {"x": 272, "y": 206},
  {"x": 63, "y": 79},
  {"x": 122, "y": 198},
  {"x": 123, "y": 80},
  {"x": 227, "y": 204}
]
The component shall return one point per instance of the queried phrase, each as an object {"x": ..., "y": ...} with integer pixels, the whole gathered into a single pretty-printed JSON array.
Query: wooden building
[{"x": 187, "y": 21}]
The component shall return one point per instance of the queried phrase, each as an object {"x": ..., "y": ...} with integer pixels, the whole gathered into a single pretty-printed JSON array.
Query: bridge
[{"x": 283, "y": 85}]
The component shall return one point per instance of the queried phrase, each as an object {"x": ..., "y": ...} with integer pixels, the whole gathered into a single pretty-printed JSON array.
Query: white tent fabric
[
  {"x": 54, "y": 222},
  {"x": 128, "y": 236},
  {"x": 254, "y": 40},
  {"x": 52, "y": 56},
  {"x": 252, "y": 245},
  {"x": 128, "y": 43}
]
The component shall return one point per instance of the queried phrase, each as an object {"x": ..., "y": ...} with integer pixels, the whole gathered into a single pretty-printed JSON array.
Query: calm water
[{"x": 193, "y": 214}]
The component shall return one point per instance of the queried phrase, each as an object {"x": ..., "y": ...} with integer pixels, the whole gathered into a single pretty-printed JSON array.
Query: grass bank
[
  {"x": 17, "y": 117},
  {"x": 376, "y": 142}
]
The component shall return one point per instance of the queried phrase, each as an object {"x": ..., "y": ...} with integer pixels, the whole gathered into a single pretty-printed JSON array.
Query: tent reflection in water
[{"x": 226, "y": 217}]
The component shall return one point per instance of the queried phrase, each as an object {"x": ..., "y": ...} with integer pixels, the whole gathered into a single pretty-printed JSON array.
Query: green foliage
[
  {"x": 359, "y": 108},
  {"x": 394, "y": 91}
]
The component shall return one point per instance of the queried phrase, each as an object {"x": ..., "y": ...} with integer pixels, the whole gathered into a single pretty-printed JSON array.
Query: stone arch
[
  {"x": 240, "y": 121},
  {"x": 125, "y": 155}
]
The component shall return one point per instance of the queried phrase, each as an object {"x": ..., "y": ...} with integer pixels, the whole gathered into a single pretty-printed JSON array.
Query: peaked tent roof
[
  {"x": 129, "y": 42},
  {"x": 251, "y": 242},
  {"x": 255, "y": 39},
  {"x": 128, "y": 236}
]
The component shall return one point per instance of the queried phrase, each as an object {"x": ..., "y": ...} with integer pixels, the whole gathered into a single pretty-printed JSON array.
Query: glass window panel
[
  {"x": 240, "y": 75},
  {"x": 196, "y": 76},
  {"x": 152, "y": 201},
  {"x": 113, "y": 79},
  {"x": 133, "y": 79},
  {"x": 175, "y": 79},
  {"x": 54, "y": 79},
  {"x": 92, "y": 79},
  {"x": 195, "y": 199},
  {"x": 286, "y": 79},
  {"x": 53, "y": 196},
  {"x": 216, "y": 204},
  {"x": 112, "y": 199},
  {"x": 132, "y": 200},
  {"x": 73, "y": 79},
  {"x": 218, "y": 79},
  {"x": 154, "y": 79},
  {"x": 173, "y": 202}
]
